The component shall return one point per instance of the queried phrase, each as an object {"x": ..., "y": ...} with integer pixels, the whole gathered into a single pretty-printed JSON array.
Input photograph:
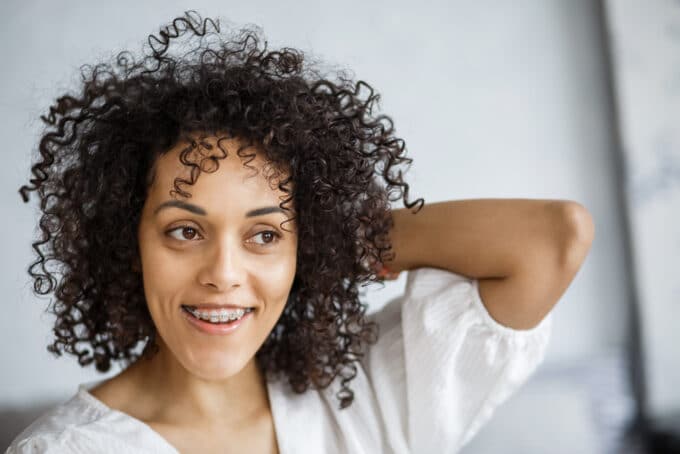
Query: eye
[
  {"x": 186, "y": 232},
  {"x": 270, "y": 235}
]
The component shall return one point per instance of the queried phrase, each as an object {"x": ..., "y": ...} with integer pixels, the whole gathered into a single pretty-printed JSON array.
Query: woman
[{"x": 219, "y": 210}]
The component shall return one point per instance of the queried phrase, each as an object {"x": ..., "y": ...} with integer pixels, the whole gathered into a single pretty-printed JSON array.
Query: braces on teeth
[{"x": 223, "y": 315}]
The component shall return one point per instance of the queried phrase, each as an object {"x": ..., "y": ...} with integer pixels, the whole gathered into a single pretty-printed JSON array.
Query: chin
[{"x": 219, "y": 368}]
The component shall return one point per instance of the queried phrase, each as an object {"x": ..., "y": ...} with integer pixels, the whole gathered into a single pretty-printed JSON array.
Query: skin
[
  {"x": 524, "y": 252},
  {"x": 207, "y": 395},
  {"x": 201, "y": 392}
]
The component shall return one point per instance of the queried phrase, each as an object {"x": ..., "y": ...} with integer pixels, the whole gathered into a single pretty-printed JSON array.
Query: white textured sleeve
[
  {"x": 442, "y": 364},
  {"x": 42, "y": 444}
]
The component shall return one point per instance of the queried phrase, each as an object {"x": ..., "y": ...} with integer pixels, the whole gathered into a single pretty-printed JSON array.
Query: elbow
[{"x": 577, "y": 233}]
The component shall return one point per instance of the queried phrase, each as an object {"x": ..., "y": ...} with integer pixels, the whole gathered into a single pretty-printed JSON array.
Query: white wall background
[
  {"x": 646, "y": 51},
  {"x": 493, "y": 98}
]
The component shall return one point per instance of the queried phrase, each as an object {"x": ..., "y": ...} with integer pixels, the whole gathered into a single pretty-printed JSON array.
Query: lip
[{"x": 213, "y": 329}]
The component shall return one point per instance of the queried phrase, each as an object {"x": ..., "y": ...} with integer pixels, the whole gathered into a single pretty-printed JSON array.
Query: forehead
[{"x": 224, "y": 174}]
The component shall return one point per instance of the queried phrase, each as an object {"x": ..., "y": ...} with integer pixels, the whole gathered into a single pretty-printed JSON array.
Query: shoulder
[
  {"x": 442, "y": 363},
  {"x": 54, "y": 429},
  {"x": 439, "y": 300}
]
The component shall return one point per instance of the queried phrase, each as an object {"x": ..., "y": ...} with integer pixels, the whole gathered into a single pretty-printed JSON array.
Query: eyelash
[{"x": 277, "y": 236}]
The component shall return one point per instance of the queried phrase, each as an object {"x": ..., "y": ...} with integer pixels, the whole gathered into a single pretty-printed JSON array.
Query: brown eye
[
  {"x": 186, "y": 233},
  {"x": 269, "y": 236}
]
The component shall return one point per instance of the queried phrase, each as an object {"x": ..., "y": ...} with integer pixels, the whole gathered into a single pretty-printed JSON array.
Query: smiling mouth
[{"x": 217, "y": 316}]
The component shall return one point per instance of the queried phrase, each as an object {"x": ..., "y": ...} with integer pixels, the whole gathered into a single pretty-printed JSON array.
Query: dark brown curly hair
[{"x": 95, "y": 164}]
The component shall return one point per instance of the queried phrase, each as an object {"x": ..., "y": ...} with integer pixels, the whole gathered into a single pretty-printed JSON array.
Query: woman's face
[{"x": 222, "y": 246}]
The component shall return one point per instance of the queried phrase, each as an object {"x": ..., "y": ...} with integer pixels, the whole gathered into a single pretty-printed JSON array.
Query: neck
[{"x": 170, "y": 394}]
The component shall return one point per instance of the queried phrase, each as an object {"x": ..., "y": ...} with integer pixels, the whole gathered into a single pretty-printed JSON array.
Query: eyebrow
[{"x": 200, "y": 211}]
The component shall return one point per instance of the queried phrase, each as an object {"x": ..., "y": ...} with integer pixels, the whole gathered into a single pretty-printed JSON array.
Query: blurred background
[{"x": 551, "y": 99}]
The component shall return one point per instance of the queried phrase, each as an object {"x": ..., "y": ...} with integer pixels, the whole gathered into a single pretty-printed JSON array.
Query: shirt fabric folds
[{"x": 440, "y": 368}]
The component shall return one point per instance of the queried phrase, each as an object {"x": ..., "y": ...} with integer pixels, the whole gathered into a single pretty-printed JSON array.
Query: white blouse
[{"x": 441, "y": 367}]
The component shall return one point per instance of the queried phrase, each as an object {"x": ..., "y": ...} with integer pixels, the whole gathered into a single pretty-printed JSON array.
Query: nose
[{"x": 222, "y": 267}]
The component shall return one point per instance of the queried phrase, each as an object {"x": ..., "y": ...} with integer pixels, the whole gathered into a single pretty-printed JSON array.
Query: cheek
[
  {"x": 163, "y": 275},
  {"x": 278, "y": 285}
]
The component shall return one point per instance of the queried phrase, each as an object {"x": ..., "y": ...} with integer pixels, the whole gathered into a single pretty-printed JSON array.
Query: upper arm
[
  {"x": 441, "y": 365},
  {"x": 522, "y": 299}
]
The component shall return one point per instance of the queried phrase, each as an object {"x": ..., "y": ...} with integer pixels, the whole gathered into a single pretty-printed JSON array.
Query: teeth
[{"x": 219, "y": 316}]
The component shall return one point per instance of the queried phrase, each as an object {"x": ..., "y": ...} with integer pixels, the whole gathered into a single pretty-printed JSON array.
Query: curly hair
[{"x": 96, "y": 161}]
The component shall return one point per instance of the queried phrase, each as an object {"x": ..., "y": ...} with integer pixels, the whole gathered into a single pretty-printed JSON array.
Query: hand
[{"x": 384, "y": 274}]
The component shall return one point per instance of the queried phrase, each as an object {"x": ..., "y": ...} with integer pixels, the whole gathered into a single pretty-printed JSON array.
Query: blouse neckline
[{"x": 84, "y": 393}]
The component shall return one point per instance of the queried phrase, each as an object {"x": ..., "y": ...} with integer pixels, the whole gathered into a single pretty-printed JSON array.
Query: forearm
[{"x": 484, "y": 238}]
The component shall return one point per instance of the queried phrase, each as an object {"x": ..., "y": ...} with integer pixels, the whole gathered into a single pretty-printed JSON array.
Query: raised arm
[{"x": 525, "y": 252}]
